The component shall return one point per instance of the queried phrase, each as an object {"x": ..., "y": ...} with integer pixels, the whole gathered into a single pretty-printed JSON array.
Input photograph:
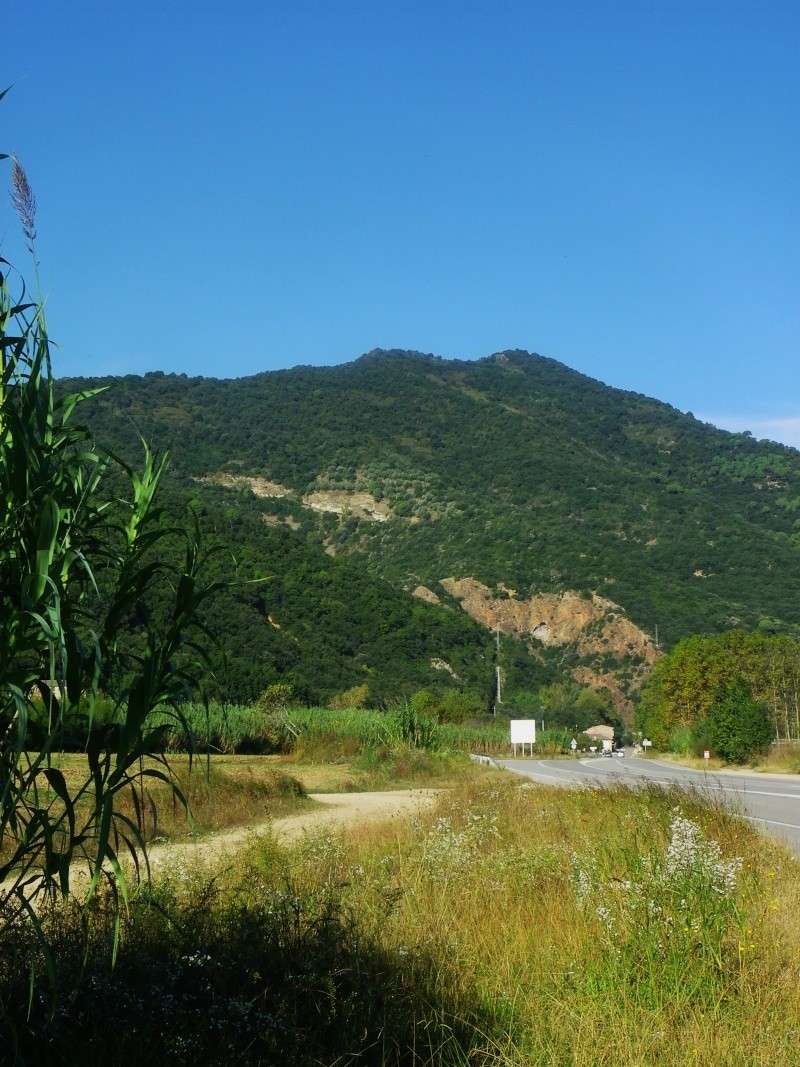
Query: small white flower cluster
[
  {"x": 605, "y": 917},
  {"x": 690, "y": 854},
  {"x": 448, "y": 849},
  {"x": 668, "y": 901},
  {"x": 581, "y": 880},
  {"x": 323, "y": 849}
]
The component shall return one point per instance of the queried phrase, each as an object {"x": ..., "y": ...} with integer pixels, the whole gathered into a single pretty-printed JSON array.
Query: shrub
[
  {"x": 683, "y": 740},
  {"x": 355, "y": 697},
  {"x": 276, "y": 697},
  {"x": 458, "y": 705},
  {"x": 738, "y": 726},
  {"x": 424, "y": 702}
]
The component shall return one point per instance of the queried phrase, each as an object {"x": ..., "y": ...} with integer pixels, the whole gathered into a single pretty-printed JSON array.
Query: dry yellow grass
[
  {"x": 511, "y": 925},
  {"x": 491, "y": 916}
]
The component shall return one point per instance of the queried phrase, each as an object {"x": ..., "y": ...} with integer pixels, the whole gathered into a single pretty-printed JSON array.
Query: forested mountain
[{"x": 513, "y": 471}]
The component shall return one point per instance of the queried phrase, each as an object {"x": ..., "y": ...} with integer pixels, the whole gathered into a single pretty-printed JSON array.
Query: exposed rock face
[
  {"x": 342, "y": 502},
  {"x": 422, "y": 592},
  {"x": 591, "y": 624},
  {"x": 335, "y": 501},
  {"x": 258, "y": 486}
]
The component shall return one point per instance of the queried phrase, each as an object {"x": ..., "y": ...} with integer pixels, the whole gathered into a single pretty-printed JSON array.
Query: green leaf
[{"x": 46, "y": 535}]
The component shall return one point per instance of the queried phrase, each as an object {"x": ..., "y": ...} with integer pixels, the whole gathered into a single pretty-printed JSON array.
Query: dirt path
[{"x": 334, "y": 810}]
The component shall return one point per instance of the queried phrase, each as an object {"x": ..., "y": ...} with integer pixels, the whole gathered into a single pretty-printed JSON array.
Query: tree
[
  {"x": 576, "y": 707},
  {"x": 738, "y": 726},
  {"x": 685, "y": 683}
]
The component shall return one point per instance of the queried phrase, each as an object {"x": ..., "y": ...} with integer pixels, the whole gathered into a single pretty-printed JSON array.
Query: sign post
[{"x": 523, "y": 732}]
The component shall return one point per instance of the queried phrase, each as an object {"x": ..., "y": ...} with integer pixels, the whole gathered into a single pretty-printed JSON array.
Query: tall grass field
[
  {"x": 240, "y": 728},
  {"x": 510, "y": 925},
  {"x": 250, "y": 729}
]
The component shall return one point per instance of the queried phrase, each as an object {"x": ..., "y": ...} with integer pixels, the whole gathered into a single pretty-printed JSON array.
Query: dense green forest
[
  {"x": 512, "y": 469},
  {"x": 321, "y": 625}
]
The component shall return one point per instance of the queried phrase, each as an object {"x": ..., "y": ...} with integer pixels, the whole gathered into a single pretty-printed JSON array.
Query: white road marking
[
  {"x": 541, "y": 774},
  {"x": 772, "y": 822}
]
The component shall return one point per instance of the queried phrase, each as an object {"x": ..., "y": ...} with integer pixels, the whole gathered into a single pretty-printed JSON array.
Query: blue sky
[{"x": 225, "y": 189}]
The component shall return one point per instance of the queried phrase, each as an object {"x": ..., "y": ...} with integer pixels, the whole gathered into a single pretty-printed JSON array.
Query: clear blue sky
[{"x": 231, "y": 188}]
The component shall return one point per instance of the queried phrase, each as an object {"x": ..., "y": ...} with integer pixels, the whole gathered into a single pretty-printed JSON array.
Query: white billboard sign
[{"x": 523, "y": 732}]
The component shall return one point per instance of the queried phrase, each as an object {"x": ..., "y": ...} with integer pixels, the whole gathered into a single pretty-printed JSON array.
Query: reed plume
[{"x": 24, "y": 201}]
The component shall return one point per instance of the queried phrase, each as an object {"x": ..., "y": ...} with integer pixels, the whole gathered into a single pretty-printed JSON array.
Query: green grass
[
  {"x": 246, "y": 729},
  {"x": 512, "y": 925}
]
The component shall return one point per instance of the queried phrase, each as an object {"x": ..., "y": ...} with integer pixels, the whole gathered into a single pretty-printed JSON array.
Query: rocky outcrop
[
  {"x": 591, "y": 624},
  {"x": 258, "y": 486},
  {"x": 343, "y": 502},
  {"x": 422, "y": 592},
  {"x": 334, "y": 501},
  {"x": 442, "y": 665}
]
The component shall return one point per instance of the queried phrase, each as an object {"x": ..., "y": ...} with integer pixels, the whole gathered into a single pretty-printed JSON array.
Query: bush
[
  {"x": 458, "y": 705},
  {"x": 356, "y": 697},
  {"x": 276, "y": 697},
  {"x": 424, "y": 702},
  {"x": 683, "y": 740},
  {"x": 738, "y": 726},
  {"x": 455, "y": 705}
]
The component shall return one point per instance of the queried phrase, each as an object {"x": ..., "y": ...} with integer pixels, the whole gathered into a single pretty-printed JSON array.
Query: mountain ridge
[{"x": 512, "y": 470}]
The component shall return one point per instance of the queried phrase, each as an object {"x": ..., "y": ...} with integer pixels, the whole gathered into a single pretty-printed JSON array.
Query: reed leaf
[{"x": 78, "y": 555}]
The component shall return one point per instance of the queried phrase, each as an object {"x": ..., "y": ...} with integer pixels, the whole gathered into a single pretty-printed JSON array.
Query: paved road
[{"x": 770, "y": 801}]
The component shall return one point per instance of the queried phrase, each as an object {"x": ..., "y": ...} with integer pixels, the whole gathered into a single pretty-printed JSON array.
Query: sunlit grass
[
  {"x": 779, "y": 759},
  {"x": 511, "y": 925}
]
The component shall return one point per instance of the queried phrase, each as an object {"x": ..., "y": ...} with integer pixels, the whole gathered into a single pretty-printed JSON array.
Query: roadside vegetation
[
  {"x": 734, "y": 695},
  {"x": 82, "y": 541},
  {"x": 216, "y": 793},
  {"x": 777, "y": 759},
  {"x": 511, "y": 925},
  {"x": 325, "y": 733}
]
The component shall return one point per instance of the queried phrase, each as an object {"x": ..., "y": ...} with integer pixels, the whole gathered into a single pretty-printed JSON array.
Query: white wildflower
[{"x": 691, "y": 855}]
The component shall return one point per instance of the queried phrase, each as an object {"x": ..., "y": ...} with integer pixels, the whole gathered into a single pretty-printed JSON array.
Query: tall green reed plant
[{"x": 77, "y": 561}]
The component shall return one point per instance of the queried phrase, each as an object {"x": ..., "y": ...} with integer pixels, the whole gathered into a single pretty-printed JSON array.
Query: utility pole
[{"x": 498, "y": 698}]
